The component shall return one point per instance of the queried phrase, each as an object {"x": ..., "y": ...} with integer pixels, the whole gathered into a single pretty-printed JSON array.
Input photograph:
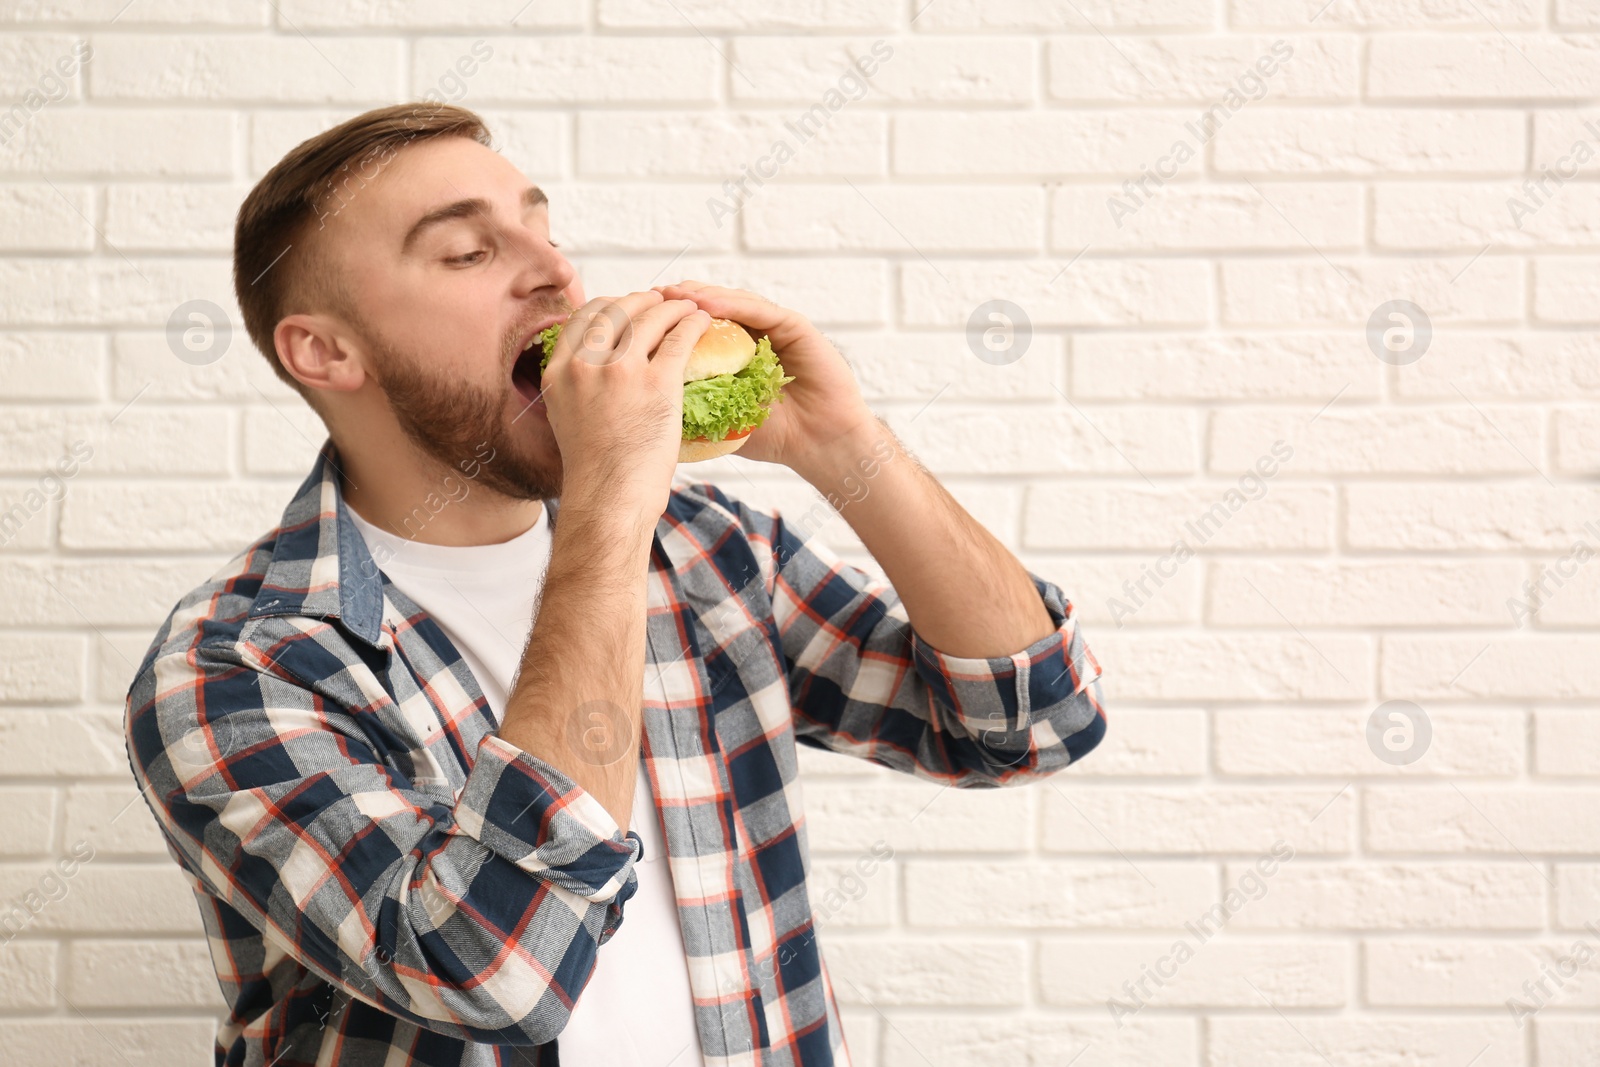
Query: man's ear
[{"x": 319, "y": 354}]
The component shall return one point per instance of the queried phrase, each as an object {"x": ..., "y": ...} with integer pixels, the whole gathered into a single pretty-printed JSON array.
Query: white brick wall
[{"x": 1224, "y": 308}]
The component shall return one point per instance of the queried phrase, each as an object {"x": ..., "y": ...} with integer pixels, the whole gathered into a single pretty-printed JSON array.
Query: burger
[{"x": 730, "y": 382}]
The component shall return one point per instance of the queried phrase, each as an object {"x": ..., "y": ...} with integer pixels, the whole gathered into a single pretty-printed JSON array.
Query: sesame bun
[{"x": 725, "y": 348}]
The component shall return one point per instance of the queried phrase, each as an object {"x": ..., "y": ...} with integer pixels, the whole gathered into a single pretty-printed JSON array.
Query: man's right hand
[{"x": 616, "y": 410}]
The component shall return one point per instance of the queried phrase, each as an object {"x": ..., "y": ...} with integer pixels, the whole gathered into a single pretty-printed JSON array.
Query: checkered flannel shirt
[{"x": 384, "y": 880}]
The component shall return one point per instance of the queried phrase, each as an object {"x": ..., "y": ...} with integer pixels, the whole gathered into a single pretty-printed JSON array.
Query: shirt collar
[{"x": 320, "y": 565}]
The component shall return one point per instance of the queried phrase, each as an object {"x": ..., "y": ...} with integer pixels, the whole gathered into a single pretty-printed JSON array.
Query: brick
[
  {"x": 1566, "y": 290},
  {"x": 1471, "y": 974},
  {"x": 1566, "y": 1042},
  {"x": 1464, "y": 440},
  {"x": 637, "y": 218},
  {"x": 1556, "y": 134},
  {"x": 726, "y": 145},
  {"x": 114, "y": 819},
  {"x": 1002, "y": 1040},
  {"x": 1481, "y": 66},
  {"x": 41, "y": 668},
  {"x": 917, "y": 817},
  {"x": 1577, "y": 440},
  {"x": 1034, "y": 145},
  {"x": 1360, "y": 593},
  {"x": 824, "y": 75},
  {"x": 1121, "y": 292},
  {"x": 1056, "y": 895},
  {"x": 108, "y": 898},
  {"x": 282, "y": 439},
  {"x": 1567, "y": 593},
  {"x": 1462, "y": 217},
  {"x": 57, "y": 742},
  {"x": 1135, "y": 516},
  {"x": 1566, "y": 741},
  {"x": 1390, "y": 14},
  {"x": 31, "y": 812},
  {"x": 1372, "y": 141},
  {"x": 95, "y": 142},
  {"x": 855, "y": 893},
  {"x": 131, "y": 1043},
  {"x": 171, "y": 516},
  {"x": 1311, "y": 895},
  {"x": 558, "y": 69},
  {"x": 417, "y": 14},
  {"x": 923, "y": 364},
  {"x": 828, "y": 291},
  {"x": 916, "y": 973},
  {"x": 1191, "y": 217},
  {"x": 234, "y": 67},
  {"x": 1103, "y": 591},
  {"x": 37, "y": 218},
  {"x": 45, "y": 592},
  {"x": 1467, "y": 517},
  {"x": 1244, "y": 666},
  {"x": 1310, "y": 366},
  {"x": 117, "y": 655},
  {"x": 145, "y": 369},
  {"x": 114, "y": 974},
  {"x": 1498, "y": 366},
  {"x": 1577, "y": 892},
  {"x": 29, "y": 979},
  {"x": 1150, "y": 742},
  {"x": 1220, "y": 973},
  {"x": 150, "y": 439},
  {"x": 51, "y": 366},
  {"x": 1490, "y": 666},
  {"x": 1203, "y": 69},
  {"x": 1269, "y": 292},
  {"x": 33, "y": 62},
  {"x": 894, "y": 218},
  {"x": 1050, "y": 441},
  {"x": 1248, "y": 1040},
  {"x": 1296, "y": 742},
  {"x": 1052, "y": 15},
  {"x": 1432, "y": 819},
  {"x": 96, "y": 13},
  {"x": 110, "y": 292},
  {"x": 172, "y": 217},
  {"x": 1122, "y": 819},
  {"x": 709, "y": 15},
  {"x": 25, "y": 514}
]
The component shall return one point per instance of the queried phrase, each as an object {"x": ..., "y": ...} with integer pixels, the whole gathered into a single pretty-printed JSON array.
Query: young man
[{"x": 489, "y": 748}]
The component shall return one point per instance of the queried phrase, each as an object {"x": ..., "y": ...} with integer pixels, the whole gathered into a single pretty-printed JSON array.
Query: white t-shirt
[{"x": 637, "y": 1010}]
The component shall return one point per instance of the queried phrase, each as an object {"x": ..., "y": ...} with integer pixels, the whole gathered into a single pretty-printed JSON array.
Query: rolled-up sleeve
[
  {"x": 862, "y": 682},
  {"x": 479, "y": 919}
]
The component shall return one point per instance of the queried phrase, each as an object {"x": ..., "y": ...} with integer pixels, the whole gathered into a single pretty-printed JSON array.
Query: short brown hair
[{"x": 291, "y": 202}]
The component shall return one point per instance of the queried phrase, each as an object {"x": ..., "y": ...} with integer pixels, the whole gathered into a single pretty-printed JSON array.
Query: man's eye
[{"x": 470, "y": 257}]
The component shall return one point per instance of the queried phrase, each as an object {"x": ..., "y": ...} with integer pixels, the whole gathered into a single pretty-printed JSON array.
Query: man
[{"x": 396, "y": 742}]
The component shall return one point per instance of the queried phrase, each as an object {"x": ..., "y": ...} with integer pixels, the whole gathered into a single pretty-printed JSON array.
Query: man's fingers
[
  {"x": 650, "y": 327},
  {"x": 673, "y": 351},
  {"x": 742, "y": 307}
]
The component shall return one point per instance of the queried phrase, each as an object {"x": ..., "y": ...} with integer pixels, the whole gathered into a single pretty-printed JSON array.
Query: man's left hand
[{"x": 822, "y": 414}]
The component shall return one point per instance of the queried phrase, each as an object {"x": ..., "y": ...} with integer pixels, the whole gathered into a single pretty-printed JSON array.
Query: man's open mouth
[{"x": 525, "y": 373}]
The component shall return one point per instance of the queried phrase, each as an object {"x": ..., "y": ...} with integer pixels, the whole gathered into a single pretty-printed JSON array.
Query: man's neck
[{"x": 430, "y": 503}]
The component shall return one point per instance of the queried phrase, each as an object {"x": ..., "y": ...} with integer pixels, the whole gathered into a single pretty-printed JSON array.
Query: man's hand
[
  {"x": 822, "y": 413},
  {"x": 617, "y": 410}
]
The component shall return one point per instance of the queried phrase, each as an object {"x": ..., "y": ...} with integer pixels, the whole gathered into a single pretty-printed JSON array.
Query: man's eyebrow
[{"x": 532, "y": 197}]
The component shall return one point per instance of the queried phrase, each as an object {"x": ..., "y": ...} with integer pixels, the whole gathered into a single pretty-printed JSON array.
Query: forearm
[
  {"x": 964, "y": 592},
  {"x": 576, "y": 702}
]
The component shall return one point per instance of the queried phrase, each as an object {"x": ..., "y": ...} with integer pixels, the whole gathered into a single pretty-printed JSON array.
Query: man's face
[{"x": 446, "y": 294}]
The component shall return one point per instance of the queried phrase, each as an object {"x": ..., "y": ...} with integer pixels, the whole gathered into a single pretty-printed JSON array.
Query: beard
[{"x": 454, "y": 422}]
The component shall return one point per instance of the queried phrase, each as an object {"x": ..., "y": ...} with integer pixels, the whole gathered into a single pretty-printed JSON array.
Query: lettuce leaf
[{"x": 728, "y": 403}]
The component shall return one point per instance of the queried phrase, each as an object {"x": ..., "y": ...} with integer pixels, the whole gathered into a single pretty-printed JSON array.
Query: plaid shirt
[{"x": 383, "y": 880}]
